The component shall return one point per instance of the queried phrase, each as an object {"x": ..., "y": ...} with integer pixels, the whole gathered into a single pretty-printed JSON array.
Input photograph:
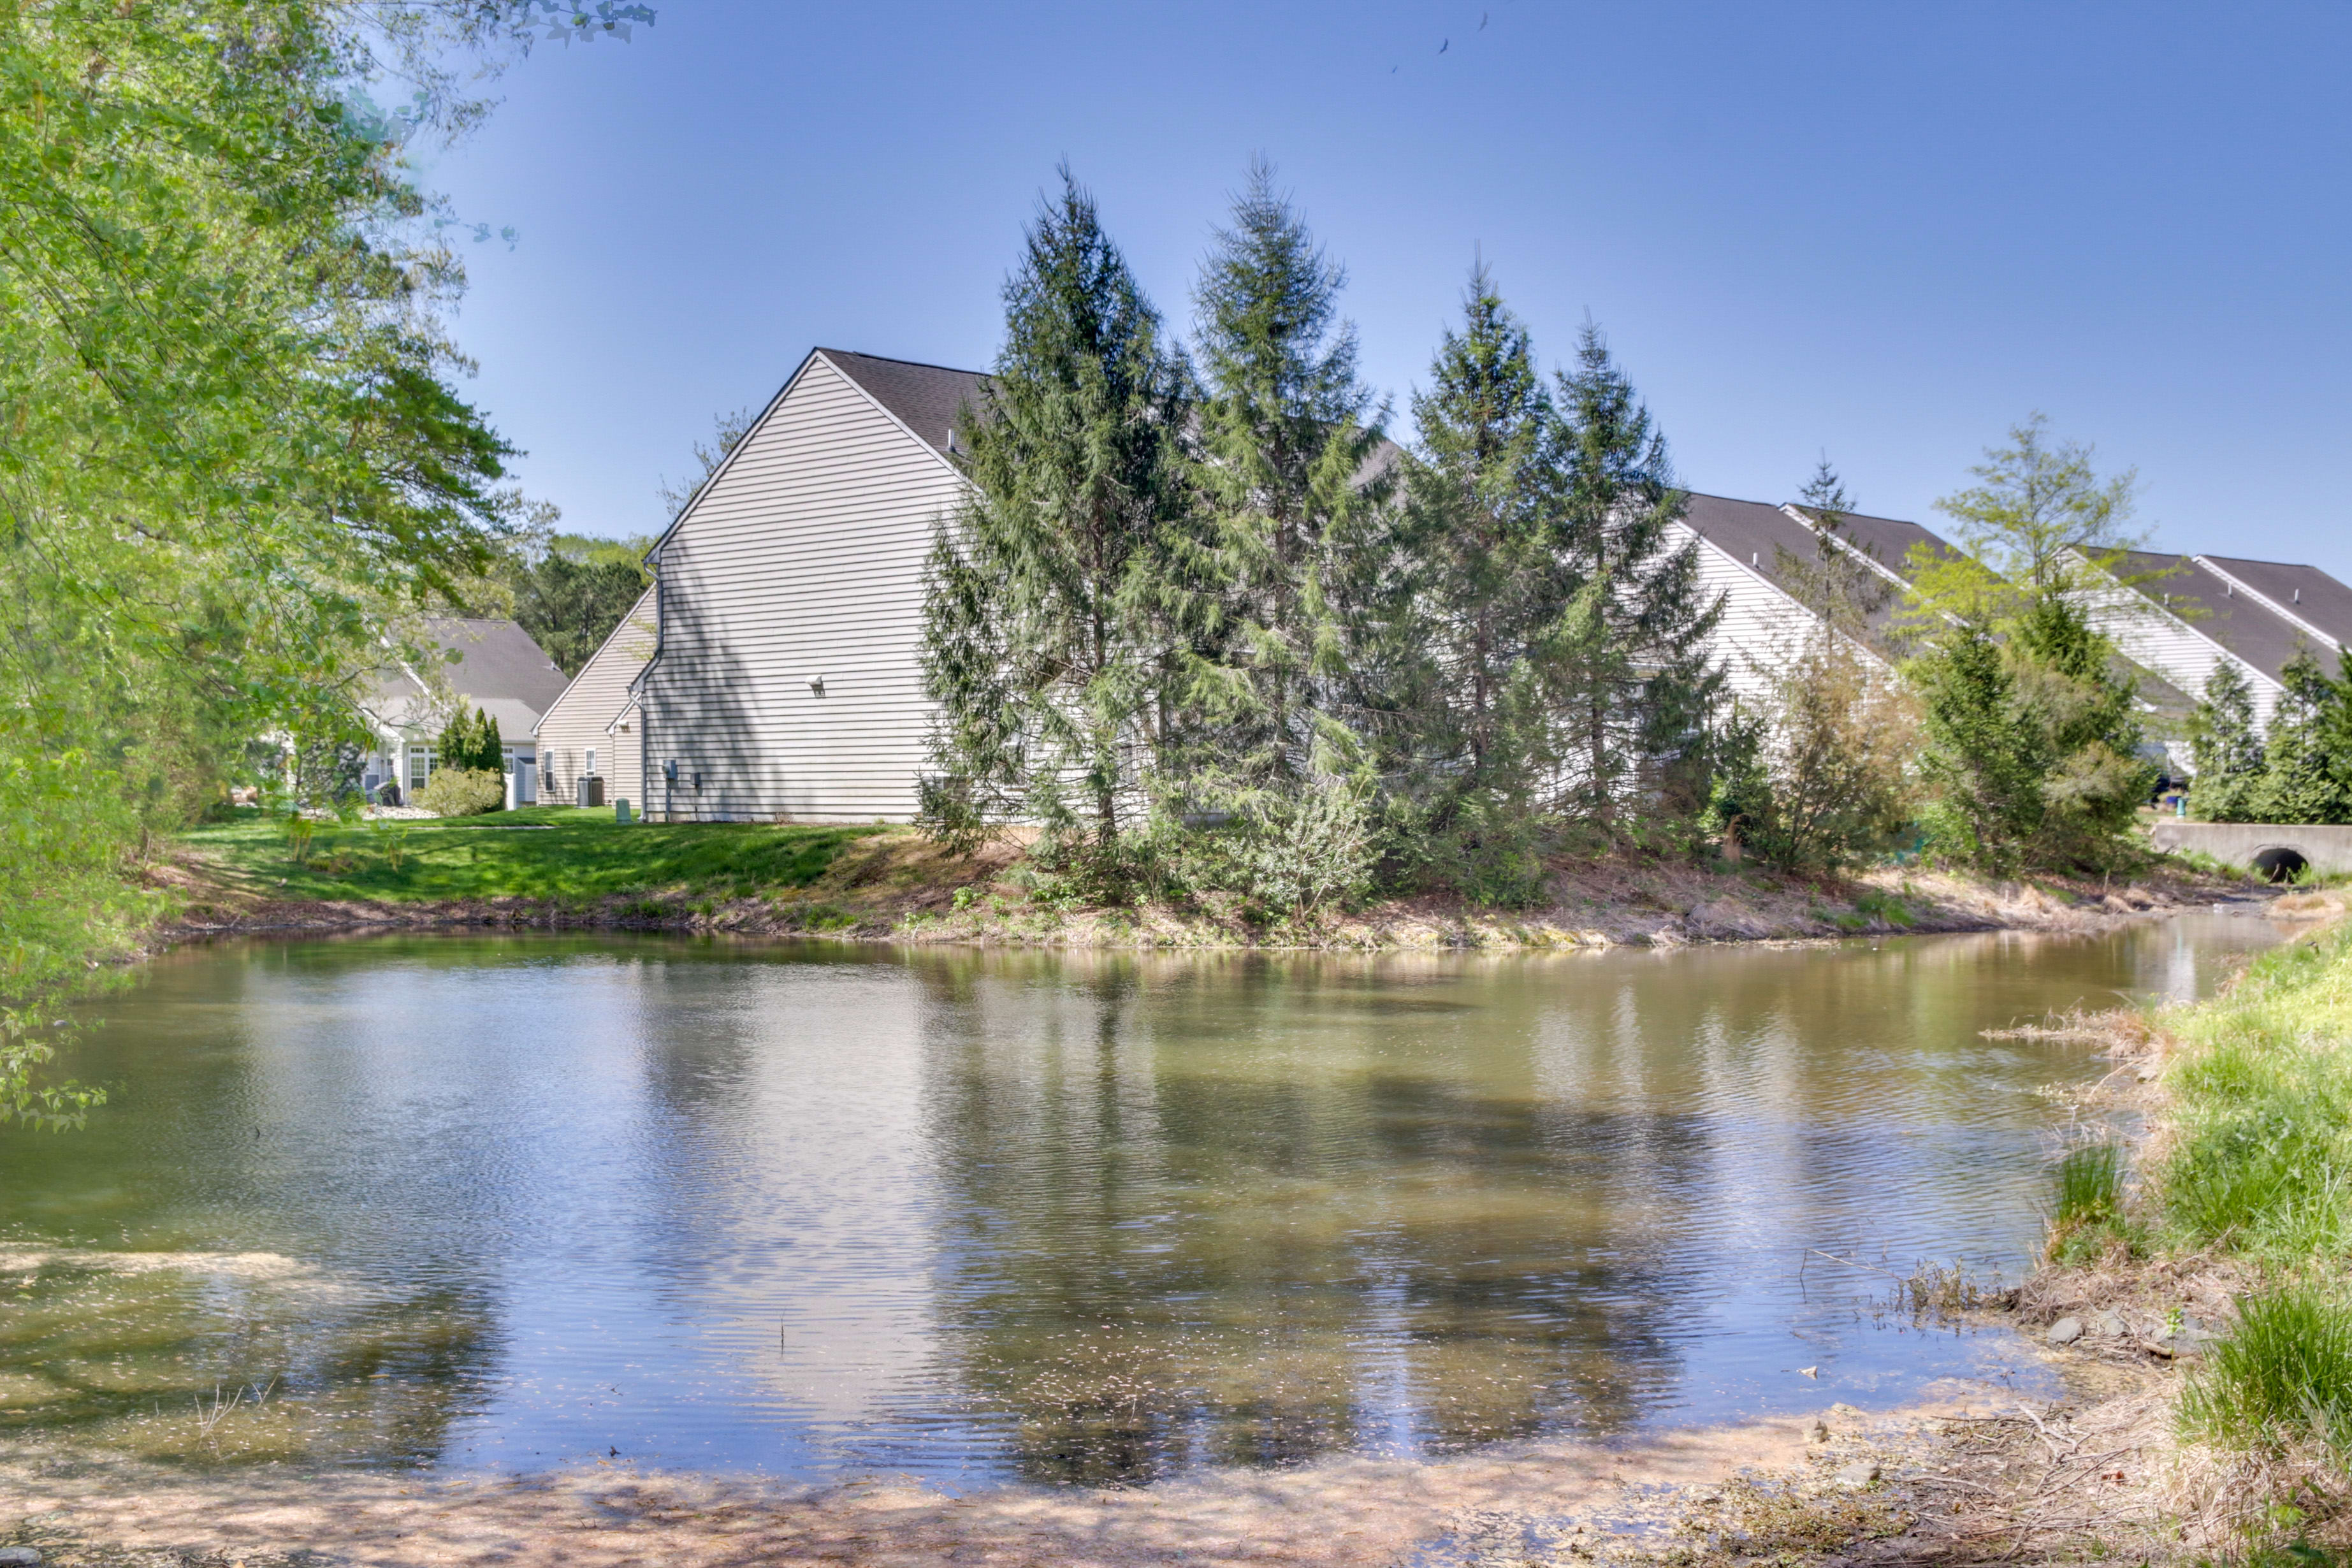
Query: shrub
[
  {"x": 462, "y": 792},
  {"x": 1490, "y": 849},
  {"x": 1296, "y": 854},
  {"x": 2282, "y": 1376}
]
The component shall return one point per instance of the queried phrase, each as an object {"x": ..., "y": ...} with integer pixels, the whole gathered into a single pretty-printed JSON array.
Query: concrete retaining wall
[{"x": 2257, "y": 845}]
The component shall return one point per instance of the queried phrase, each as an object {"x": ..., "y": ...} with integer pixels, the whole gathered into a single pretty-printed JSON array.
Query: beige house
[
  {"x": 591, "y": 732},
  {"x": 785, "y": 678},
  {"x": 1744, "y": 549},
  {"x": 492, "y": 664}
]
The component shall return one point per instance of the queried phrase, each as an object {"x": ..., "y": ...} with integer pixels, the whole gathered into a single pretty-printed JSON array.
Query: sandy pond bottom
[{"x": 1515, "y": 1504}]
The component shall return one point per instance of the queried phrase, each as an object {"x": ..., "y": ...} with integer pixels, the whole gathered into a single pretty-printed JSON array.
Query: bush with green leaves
[
  {"x": 65, "y": 833},
  {"x": 462, "y": 792}
]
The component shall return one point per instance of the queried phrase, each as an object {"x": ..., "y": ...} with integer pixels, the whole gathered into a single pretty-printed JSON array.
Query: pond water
[{"x": 509, "y": 1203}]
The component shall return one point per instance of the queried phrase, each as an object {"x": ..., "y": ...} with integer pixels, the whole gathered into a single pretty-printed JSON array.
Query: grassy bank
[
  {"x": 553, "y": 853},
  {"x": 2199, "y": 1287},
  {"x": 563, "y": 867}
]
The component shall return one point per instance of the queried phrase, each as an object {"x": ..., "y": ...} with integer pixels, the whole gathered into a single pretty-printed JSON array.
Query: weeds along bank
[
  {"x": 2198, "y": 1281},
  {"x": 557, "y": 867}
]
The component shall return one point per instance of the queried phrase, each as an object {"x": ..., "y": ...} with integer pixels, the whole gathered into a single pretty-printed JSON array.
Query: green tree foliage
[
  {"x": 2033, "y": 734},
  {"x": 1482, "y": 592},
  {"x": 573, "y": 591},
  {"x": 1283, "y": 439},
  {"x": 1822, "y": 775},
  {"x": 1275, "y": 579},
  {"x": 470, "y": 741},
  {"x": 2039, "y": 524},
  {"x": 2227, "y": 748},
  {"x": 1044, "y": 642},
  {"x": 1983, "y": 769},
  {"x": 233, "y": 452},
  {"x": 64, "y": 823},
  {"x": 1631, "y": 677},
  {"x": 2307, "y": 773}
]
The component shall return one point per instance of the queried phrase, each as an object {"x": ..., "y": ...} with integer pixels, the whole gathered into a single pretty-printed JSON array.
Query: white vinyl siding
[
  {"x": 802, "y": 561},
  {"x": 2156, "y": 640},
  {"x": 594, "y": 714},
  {"x": 1762, "y": 629}
]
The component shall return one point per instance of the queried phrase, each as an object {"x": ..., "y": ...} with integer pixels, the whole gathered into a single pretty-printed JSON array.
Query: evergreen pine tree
[
  {"x": 470, "y": 741},
  {"x": 454, "y": 747},
  {"x": 1042, "y": 637},
  {"x": 2226, "y": 747},
  {"x": 491, "y": 746},
  {"x": 1284, "y": 443},
  {"x": 2071, "y": 688},
  {"x": 1984, "y": 769},
  {"x": 1633, "y": 683},
  {"x": 1485, "y": 586},
  {"x": 2305, "y": 777},
  {"x": 1837, "y": 582}
]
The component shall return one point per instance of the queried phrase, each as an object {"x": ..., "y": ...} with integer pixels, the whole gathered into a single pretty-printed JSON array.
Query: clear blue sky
[{"x": 1883, "y": 230}]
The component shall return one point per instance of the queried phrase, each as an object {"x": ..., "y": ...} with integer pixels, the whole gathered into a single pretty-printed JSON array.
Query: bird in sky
[
  {"x": 1445, "y": 46},
  {"x": 1481, "y": 21}
]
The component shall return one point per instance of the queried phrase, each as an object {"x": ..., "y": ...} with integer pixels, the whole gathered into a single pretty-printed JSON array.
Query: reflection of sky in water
[{"x": 1072, "y": 1216}]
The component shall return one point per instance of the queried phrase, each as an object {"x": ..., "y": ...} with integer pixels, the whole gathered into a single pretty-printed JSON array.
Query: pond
[{"x": 511, "y": 1203}]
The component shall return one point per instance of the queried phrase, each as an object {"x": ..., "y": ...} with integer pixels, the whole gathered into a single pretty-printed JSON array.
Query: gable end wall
[
  {"x": 802, "y": 560},
  {"x": 584, "y": 717}
]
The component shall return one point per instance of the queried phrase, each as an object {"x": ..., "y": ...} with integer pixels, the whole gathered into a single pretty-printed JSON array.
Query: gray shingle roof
[
  {"x": 2302, "y": 591},
  {"x": 926, "y": 398},
  {"x": 496, "y": 668},
  {"x": 1755, "y": 533},
  {"x": 2203, "y": 600},
  {"x": 1891, "y": 540}
]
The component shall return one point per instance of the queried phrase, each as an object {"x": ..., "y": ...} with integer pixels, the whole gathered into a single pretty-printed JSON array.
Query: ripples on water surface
[{"x": 513, "y": 1202}]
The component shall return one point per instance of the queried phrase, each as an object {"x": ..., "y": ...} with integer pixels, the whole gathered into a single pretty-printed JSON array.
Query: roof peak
[{"x": 888, "y": 359}]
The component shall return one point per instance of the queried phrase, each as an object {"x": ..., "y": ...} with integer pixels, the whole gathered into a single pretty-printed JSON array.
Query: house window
[
  {"x": 420, "y": 766},
  {"x": 591, "y": 762}
]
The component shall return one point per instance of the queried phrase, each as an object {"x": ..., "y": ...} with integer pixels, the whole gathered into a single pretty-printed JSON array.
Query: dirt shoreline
[
  {"x": 896, "y": 889},
  {"x": 1545, "y": 1502}
]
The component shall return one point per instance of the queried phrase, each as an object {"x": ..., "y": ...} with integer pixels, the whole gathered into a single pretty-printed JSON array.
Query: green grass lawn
[{"x": 544, "y": 852}]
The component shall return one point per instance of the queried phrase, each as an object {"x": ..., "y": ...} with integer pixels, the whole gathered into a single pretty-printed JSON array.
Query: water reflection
[{"x": 1090, "y": 1218}]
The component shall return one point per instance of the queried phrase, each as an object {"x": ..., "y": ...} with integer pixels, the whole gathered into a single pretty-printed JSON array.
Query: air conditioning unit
[{"x": 591, "y": 790}]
